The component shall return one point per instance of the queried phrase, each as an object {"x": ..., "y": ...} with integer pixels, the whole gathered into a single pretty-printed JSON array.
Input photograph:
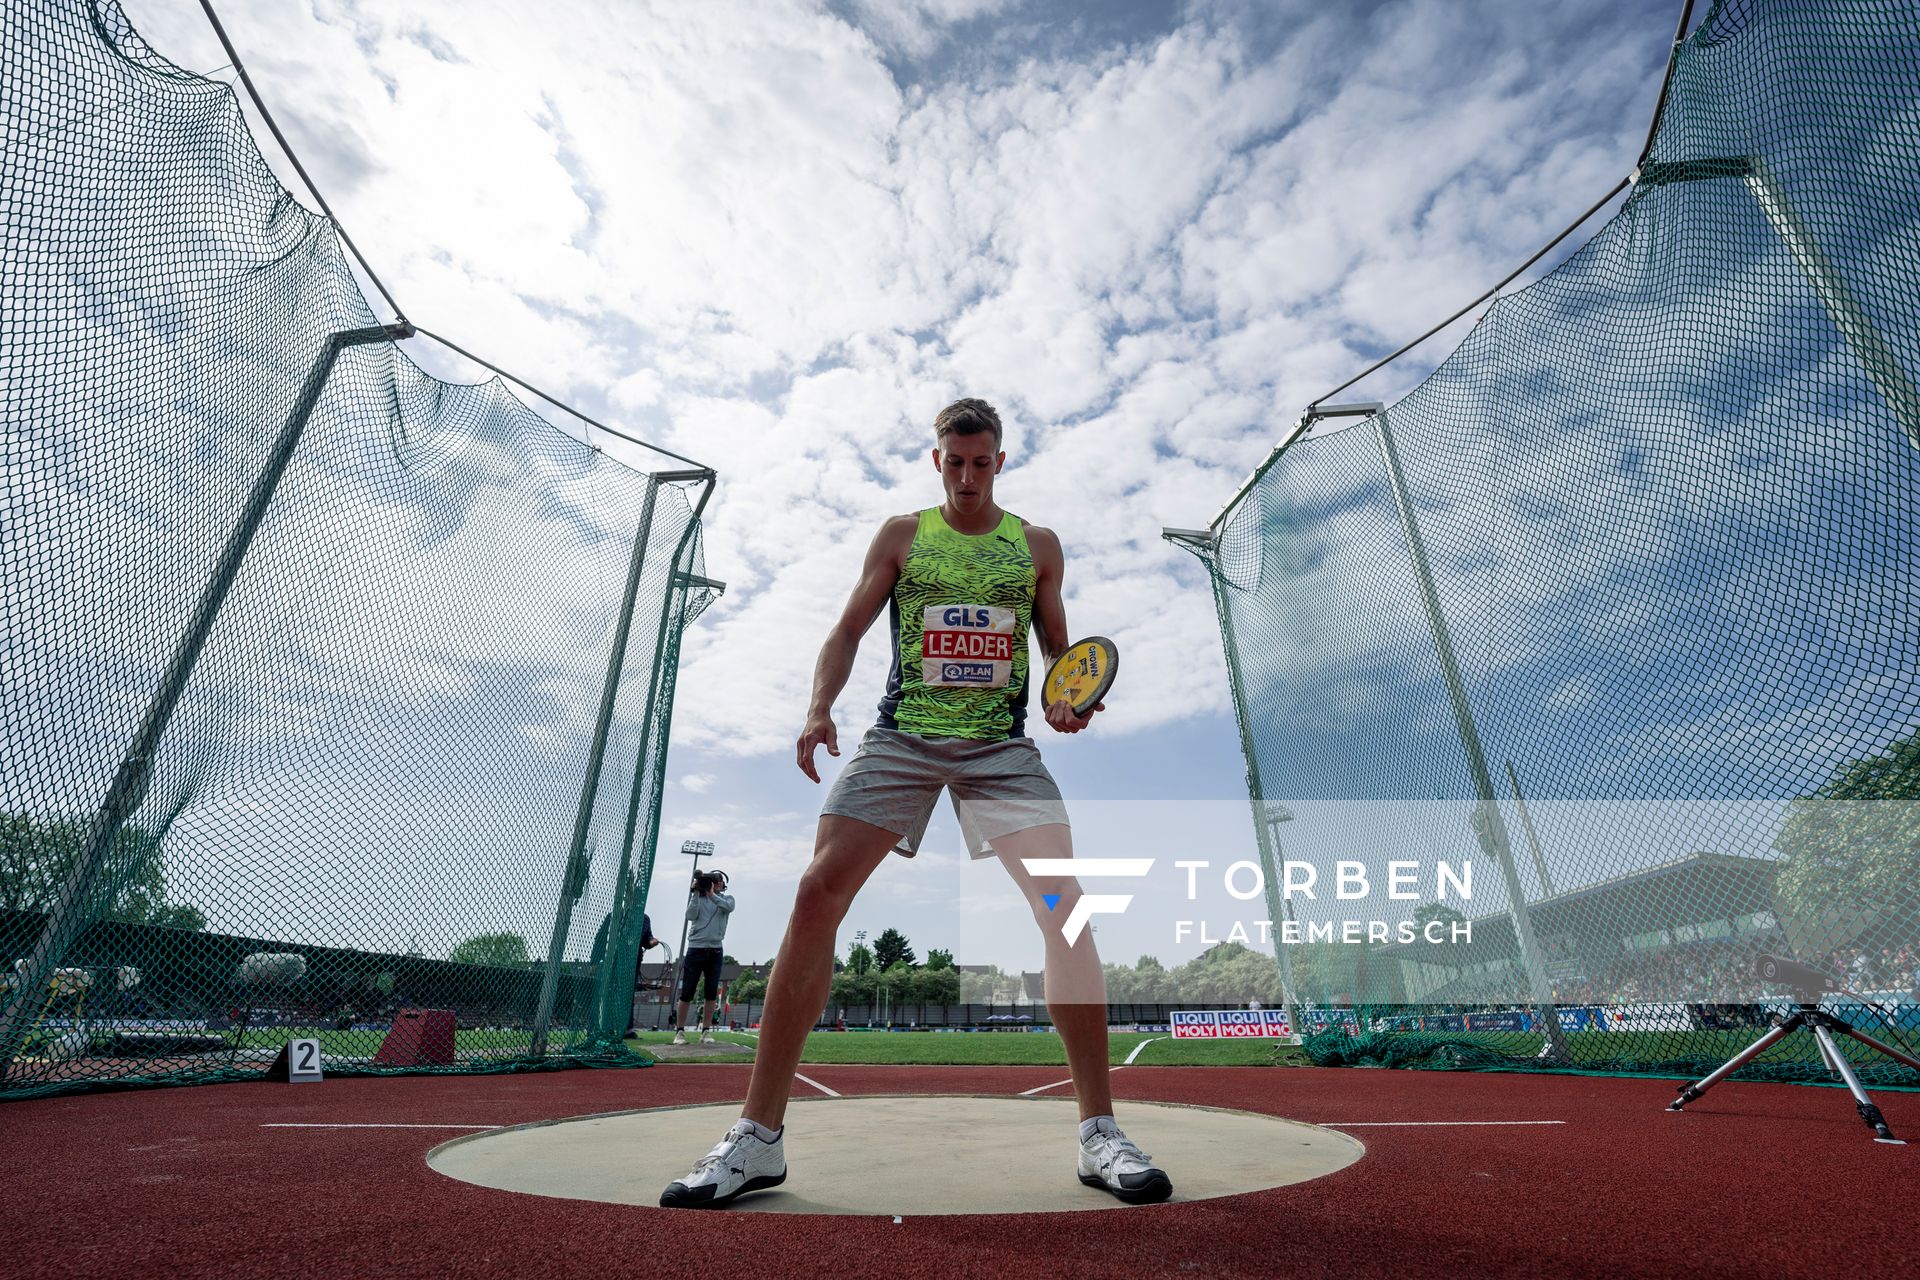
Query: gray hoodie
[{"x": 708, "y": 916}]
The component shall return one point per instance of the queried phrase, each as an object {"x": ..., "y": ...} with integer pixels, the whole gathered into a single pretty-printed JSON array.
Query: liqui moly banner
[{"x": 1229, "y": 1024}]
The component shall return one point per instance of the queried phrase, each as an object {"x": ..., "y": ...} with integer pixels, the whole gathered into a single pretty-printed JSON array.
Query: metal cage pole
[
  {"x": 1488, "y": 825},
  {"x": 649, "y": 773},
  {"x": 669, "y": 682},
  {"x": 1277, "y": 814},
  {"x": 681, "y": 584},
  {"x": 1891, "y": 380},
  {"x": 1533, "y": 838},
  {"x": 67, "y": 917},
  {"x": 573, "y": 875},
  {"x": 610, "y": 957},
  {"x": 1205, "y": 545}
]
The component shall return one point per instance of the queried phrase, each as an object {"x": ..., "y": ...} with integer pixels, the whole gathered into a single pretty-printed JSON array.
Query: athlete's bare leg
[
  {"x": 1076, "y": 985},
  {"x": 845, "y": 853}
]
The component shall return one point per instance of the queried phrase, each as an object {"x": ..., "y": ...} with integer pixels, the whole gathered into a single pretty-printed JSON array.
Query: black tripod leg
[
  {"x": 1869, "y": 1112},
  {"x": 1887, "y": 1049},
  {"x": 1688, "y": 1092}
]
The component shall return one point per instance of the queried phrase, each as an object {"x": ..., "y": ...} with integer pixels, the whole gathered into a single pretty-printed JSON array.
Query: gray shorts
[{"x": 998, "y": 788}]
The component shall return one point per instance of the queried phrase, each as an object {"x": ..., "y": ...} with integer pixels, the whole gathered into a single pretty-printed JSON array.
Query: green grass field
[
  {"x": 995, "y": 1049},
  {"x": 1601, "y": 1049},
  {"x": 931, "y": 1048}
]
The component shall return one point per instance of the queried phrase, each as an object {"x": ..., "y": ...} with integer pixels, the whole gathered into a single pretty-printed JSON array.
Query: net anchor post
[
  {"x": 1489, "y": 827},
  {"x": 67, "y": 916}
]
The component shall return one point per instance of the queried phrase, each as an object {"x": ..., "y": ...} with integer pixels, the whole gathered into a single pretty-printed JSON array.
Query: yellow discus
[{"x": 1082, "y": 675}]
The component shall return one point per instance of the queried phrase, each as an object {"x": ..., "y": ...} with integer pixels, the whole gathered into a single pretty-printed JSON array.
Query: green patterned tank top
[{"x": 959, "y": 616}]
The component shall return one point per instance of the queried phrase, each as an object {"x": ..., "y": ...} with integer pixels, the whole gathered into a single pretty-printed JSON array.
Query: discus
[{"x": 1082, "y": 675}]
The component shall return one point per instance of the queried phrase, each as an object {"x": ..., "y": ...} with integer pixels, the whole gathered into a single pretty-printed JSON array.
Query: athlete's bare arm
[
  {"x": 1050, "y": 619},
  {"x": 877, "y": 577}
]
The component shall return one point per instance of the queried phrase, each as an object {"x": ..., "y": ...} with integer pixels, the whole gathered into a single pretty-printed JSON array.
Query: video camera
[
  {"x": 1807, "y": 982},
  {"x": 706, "y": 882}
]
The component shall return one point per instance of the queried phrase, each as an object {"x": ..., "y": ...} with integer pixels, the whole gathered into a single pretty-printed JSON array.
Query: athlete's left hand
[{"x": 1060, "y": 716}]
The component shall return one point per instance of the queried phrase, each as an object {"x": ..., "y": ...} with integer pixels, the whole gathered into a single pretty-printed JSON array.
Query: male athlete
[{"x": 962, "y": 582}]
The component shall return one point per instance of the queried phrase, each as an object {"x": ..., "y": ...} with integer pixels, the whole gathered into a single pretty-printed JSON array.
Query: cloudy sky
[{"x": 778, "y": 237}]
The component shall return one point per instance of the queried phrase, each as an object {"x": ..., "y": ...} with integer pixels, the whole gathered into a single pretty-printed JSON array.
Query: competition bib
[{"x": 966, "y": 646}]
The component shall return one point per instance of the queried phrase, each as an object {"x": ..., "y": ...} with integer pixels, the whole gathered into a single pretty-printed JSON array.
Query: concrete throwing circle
[{"x": 908, "y": 1155}]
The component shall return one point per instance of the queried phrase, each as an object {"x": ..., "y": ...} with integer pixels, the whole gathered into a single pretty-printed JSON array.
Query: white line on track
[
  {"x": 816, "y": 1084},
  {"x": 1028, "y": 1093},
  {"x": 380, "y": 1126},
  {"x": 1419, "y": 1124}
]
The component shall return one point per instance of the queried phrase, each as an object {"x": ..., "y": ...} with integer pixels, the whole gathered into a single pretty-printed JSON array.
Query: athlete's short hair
[{"x": 967, "y": 417}]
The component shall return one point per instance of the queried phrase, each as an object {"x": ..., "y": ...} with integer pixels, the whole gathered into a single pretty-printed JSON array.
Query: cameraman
[{"x": 707, "y": 913}]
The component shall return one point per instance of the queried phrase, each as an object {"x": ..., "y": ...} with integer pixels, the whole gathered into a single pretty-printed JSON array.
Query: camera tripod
[{"x": 1823, "y": 1026}]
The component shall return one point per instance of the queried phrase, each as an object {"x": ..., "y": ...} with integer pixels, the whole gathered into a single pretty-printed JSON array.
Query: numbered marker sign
[{"x": 303, "y": 1061}]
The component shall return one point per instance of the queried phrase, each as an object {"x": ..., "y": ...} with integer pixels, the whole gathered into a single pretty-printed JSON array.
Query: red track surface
[{"x": 1753, "y": 1180}]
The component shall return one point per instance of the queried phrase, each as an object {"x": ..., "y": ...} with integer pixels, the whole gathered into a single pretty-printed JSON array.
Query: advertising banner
[{"x": 1229, "y": 1024}]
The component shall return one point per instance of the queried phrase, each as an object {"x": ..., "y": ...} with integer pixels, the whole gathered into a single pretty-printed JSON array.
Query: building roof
[{"x": 1700, "y": 888}]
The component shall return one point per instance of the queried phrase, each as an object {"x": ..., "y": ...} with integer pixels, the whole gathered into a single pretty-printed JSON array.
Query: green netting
[
  {"x": 364, "y": 798},
  {"x": 1665, "y": 499}
]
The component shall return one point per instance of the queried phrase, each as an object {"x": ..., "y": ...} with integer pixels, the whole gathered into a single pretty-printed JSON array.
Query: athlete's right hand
[{"x": 819, "y": 731}]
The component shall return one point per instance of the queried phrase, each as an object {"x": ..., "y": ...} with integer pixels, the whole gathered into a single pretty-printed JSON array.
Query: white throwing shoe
[
  {"x": 1110, "y": 1161},
  {"x": 706, "y": 1037},
  {"x": 742, "y": 1162},
  {"x": 679, "y": 1037}
]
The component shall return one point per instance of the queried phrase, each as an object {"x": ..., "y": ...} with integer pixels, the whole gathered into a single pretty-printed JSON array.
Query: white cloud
[{"x": 741, "y": 230}]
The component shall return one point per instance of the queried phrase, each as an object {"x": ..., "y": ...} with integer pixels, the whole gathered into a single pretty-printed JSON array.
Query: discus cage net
[
  {"x": 1623, "y": 601},
  {"x": 337, "y": 696}
]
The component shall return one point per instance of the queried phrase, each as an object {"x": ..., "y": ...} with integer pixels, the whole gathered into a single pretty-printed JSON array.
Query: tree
[
  {"x": 891, "y": 947},
  {"x": 1425, "y": 914},
  {"x": 1228, "y": 974},
  {"x": 984, "y": 988},
  {"x": 930, "y": 986},
  {"x": 504, "y": 950},
  {"x": 854, "y": 988},
  {"x": 938, "y": 959},
  {"x": 179, "y": 916},
  {"x": 860, "y": 959},
  {"x": 751, "y": 986},
  {"x": 37, "y": 856},
  {"x": 1849, "y": 860},
  {"x": 1147, "y": 982}
]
